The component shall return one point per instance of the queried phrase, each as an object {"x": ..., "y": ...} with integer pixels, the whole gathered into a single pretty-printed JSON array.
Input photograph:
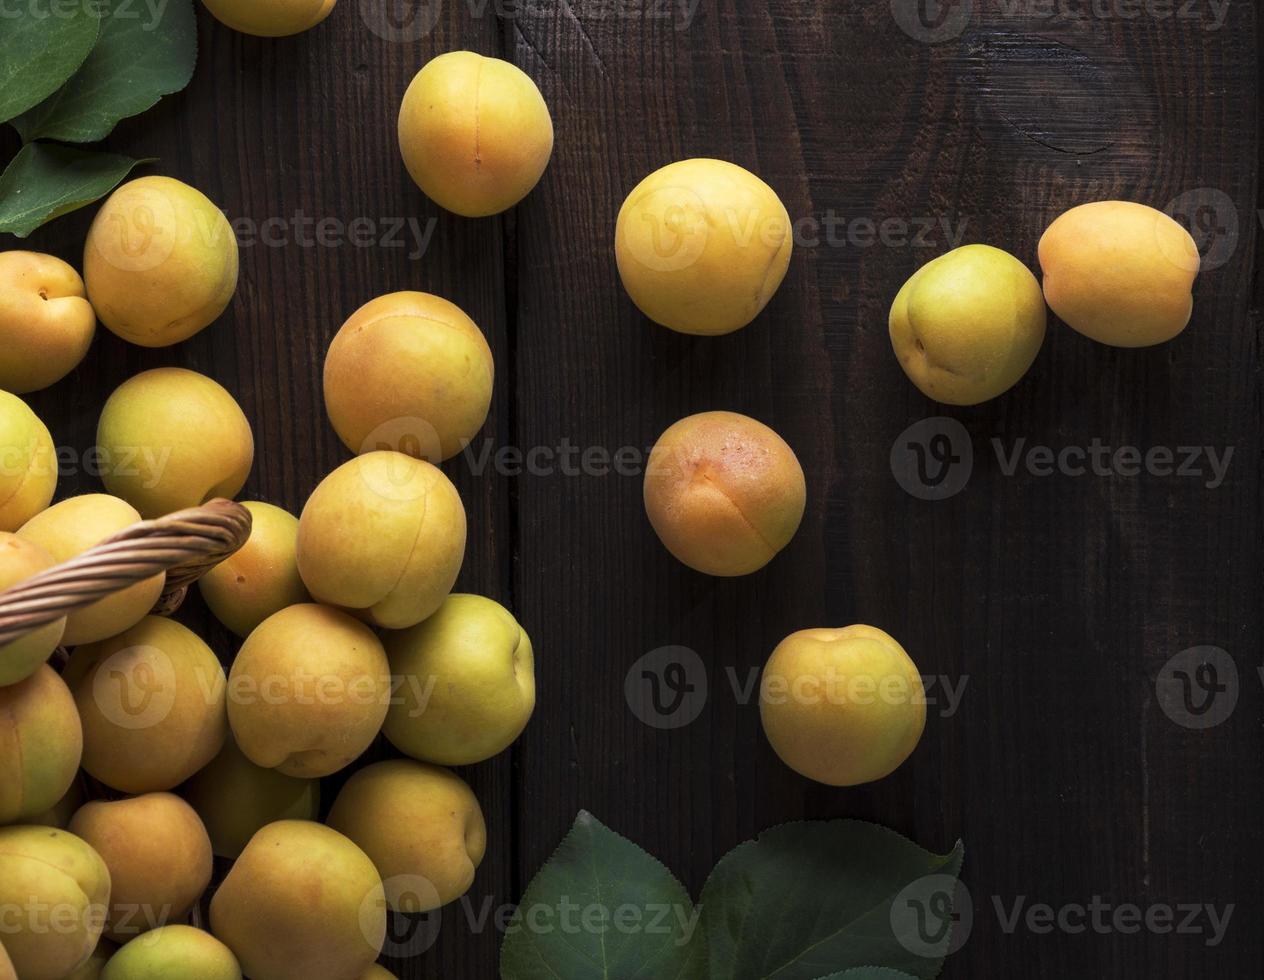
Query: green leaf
[
  {"x": 42, "y": 42},
  {"x": 140, "y": 57},
  {"x": 602, "y": 909},
  {"x": 807, "y": 900},
  {"x": 870, "y": 973},
  {"x": 45, "y": 181}
]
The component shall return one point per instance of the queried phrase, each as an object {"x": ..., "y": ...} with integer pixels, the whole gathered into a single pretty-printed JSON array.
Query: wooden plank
[{"x": 1057, "y": 600}]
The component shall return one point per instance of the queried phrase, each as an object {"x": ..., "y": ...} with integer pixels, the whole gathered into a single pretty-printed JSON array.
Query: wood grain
[{"x": 1055, "y": 600}]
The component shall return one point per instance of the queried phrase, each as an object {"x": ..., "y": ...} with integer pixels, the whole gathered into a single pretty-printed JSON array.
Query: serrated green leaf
[
  {"x": 602, "y": 909},
  {"x": 808, "y": 900},
  {"x": 140, "y": 57},
  {"x": 45, "y": 181},
  {"x": 42, "y": 42}
]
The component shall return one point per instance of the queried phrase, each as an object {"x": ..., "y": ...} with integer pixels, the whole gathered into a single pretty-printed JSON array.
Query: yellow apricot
[
  {"x": 302, "y": 901},
  {"x": 842, "y": 706},
  {"x": 409, "y": 372},
  {"x": 175, "y": 952},
  {"x": 46, "y": 321},
  {"x": 160, "y": 262},
  {"x": 310, "y": 687},
  {"x": 173, "y": 439},
  {"x": 41, "y": 744},
  {"x": 1120, "y": 273},
  {"x": 158, "y": 854},
  {"x": 384, "y": 536},
  {"x": 152, "y": 702},
  {"x": 262, "y": 577},
  {"x": 702, "y": 245},
  {"x": 475, "y": 133},
  {"x": 968, "y": 325},
  {"x": 422, "y": 827},
  {"x": 270, "y": 18},
  {"x": 28, "y": 463},
  {"x": 54, "y": 889},
  {"x": 465, "y": 683},
  {"x": 724, "y": 493}
]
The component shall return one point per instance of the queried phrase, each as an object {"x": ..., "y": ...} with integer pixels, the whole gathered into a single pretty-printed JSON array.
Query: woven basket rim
[{"x": 183, "y": 546}]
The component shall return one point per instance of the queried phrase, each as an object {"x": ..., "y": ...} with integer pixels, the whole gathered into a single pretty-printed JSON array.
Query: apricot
[
  {"x": 46, "y": 321},
  {"x": 235, "y": 799},
  {"x": 19, "y": 560},
  {"x": 421, "y": 826},
  {"x": 968, "y": 325},
  {"x": 409, "y": 372},
  {"x": 6, "y": 966},
  {"x": 71, "y": 527},
  {"x": 1120, "y": 273},
  {"x": 724, "y": 493},
  {"x": 383, "y": 535},
  {"x": 466, "y": 683},
  {"x": 702, "y": 245},
  {"x": 376, "y": 972},
  {"x": 270, "y": 18},
  {"x": 842, "y": 706},
  {"x": 173, "y": 439},
  {"x": 158, "y": 854},
  {"x": 41, "y": 742},
  {"x": 160, "y": 262},
  {"x": 28, "y": 463},
  {"x": 302, "y": 901},
  {"x": 260, "y": 579},
  {"x": 54, "y": 889},
  {"x": 310, "y": 688},
  {"x": 475, "y": 133},
  {"x": 176, "y": 952},
  {"x": 152, "y": 701}
]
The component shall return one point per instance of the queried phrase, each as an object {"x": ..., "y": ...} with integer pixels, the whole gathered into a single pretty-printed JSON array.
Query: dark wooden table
[{"x": 1057, "y": 600}]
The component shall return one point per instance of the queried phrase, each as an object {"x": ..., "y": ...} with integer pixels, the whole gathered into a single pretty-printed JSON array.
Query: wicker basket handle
[{"x": 186, "y": 545}]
